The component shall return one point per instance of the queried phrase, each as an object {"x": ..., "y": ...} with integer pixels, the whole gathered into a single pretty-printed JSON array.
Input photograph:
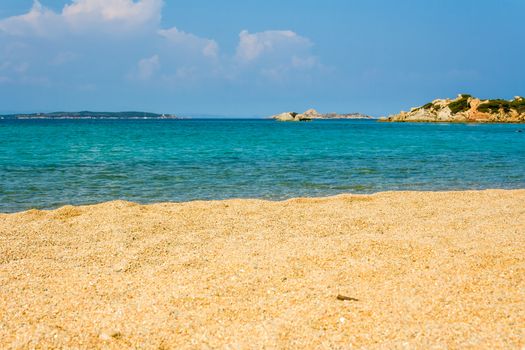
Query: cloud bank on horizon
[{"x": 43, "y": 47}]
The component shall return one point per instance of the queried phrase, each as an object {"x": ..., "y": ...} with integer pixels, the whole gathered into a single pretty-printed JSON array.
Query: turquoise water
[{"x": 47, "y": 163}]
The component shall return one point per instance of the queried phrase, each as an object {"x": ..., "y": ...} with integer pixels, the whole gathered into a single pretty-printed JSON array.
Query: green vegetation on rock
[
  {"x": 519, "y": 105},
  {"x": 494, "y": 106},
  {"x": 466, "y": 109},
  {"x": 460, "y": 105}
]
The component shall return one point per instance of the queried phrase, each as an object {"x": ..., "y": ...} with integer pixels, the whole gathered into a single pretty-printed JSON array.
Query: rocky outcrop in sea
[
  {"x": 312, "y": 114},
  {"x": 465, "y": 109}
]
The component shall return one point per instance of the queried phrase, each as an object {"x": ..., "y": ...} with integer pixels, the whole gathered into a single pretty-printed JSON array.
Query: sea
[{"x": 45, "y": 164}]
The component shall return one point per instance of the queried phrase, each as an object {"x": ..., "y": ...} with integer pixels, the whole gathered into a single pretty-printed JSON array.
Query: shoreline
[
  {"x": 422, "y": 121},
  {"x": 126, "y": 202},
  {"x": 389, "y": 269}
]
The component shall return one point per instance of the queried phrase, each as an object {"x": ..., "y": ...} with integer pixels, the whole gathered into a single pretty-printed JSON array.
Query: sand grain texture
[{"x": 428, "y": 270}]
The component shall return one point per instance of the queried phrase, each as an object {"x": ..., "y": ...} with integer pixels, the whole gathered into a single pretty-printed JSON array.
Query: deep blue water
[{"x": 49, "y": 163}]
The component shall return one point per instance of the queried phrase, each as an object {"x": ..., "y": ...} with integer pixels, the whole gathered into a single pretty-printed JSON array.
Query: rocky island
[
  {"x": 312, "y": 114},
  {"x": 465, "y": 109}
]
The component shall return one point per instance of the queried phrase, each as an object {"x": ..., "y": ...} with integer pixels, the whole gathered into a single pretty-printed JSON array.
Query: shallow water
[{"x": 49, "y": 163}]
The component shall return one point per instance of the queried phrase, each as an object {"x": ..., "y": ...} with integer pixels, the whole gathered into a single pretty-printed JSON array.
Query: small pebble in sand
[{"x": 345, "y": 298}]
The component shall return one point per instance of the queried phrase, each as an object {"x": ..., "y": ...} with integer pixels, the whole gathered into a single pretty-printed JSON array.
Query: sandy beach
[{"x": 419, "y": 269}]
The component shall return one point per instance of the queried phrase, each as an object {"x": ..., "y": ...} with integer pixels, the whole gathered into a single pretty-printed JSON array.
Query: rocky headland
[
  {"x": 465, "y": 109},
  {"x": 312, "y": 114}
]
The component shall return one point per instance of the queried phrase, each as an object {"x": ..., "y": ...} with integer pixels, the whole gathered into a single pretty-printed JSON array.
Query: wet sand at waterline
[{"x": 419, "y": 270}]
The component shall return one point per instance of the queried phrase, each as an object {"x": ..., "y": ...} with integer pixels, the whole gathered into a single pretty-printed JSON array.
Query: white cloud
[
  {"x": 272, "y": 42},
  {"x": 185, "y": 74},
  {"x": 38, "y": 21},
  {"x": 206, "y": 47},
  {"x": 211, "y": 49},
  {"x": 276, "y": 55},
  {"x": 147, "y": 67},
  {"x": 115, "y": 10},
  {"x": 308, "y": 62},
  {"x": 109, "y": 16},
  {"x": 127, "y": 13},
  {"x": 111, "y": 40}
]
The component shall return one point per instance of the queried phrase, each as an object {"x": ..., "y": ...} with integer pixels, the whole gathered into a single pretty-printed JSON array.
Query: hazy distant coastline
[
  {"x": 463, "y": 109},
  {"x": 133, "y": 115},
  {"x": 90, "y": 115}
]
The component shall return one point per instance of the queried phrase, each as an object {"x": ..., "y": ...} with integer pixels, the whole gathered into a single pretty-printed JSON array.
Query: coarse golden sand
[{"x": 425, "y": 270}]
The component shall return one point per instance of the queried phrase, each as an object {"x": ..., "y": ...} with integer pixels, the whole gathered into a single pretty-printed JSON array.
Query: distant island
[
  {"x": 465, "y": 109},
  {"x": 90, "y": 115},
  {"x": 312, "y": 114}
]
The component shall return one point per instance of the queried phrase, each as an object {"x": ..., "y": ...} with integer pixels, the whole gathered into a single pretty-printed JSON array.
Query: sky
[{"x": 256, "y": 58}]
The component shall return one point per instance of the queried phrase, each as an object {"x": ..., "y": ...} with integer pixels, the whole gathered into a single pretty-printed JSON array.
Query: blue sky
[{"x": 254, "y": 58}]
